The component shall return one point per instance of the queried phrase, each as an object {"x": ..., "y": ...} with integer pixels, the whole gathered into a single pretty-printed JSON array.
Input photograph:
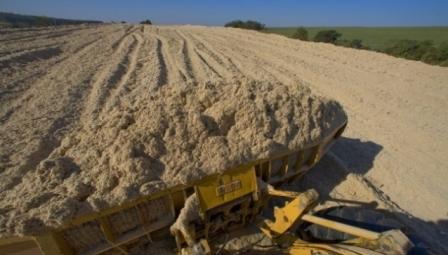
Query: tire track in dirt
[
  {"x": 148, "y": 75},
  {"x": 67, "y": 43},
  {"x": 253, "y": 66},
  {"x": 184, "y": 61},
  {"x": 213, "y": 65},
  {"x": 54, "y": 121},
  {"x": 32, "y": 63},
  {"x": 130, "y": 63},
  {"x": 181, "y": 58},
  {"x": 200, "y": 67},
  {"x": 7, "y": 54},
  {"x": 275, "y": 63},
  {"x": 150, "y": 63},
  {"x": 47, "y": 35},
  {"x": 129, "y": 30},
  {"x": 63, "y": 43},
  {"x": 216, "y": 67},
  {"x": 163, "y": 69},
  {"x": 109, "y": 76},
  {"x": 12, "y": 31},
  {"x": 14, "y": 89},
  {"x": 187, "y": 62},
  {"x": 285, "y": 60},
  {"x": 209, "y": 52},
  {"x": 173, "y": 71},
  {"x": 150, "y": 71},
  {"x": 24, "y": 58}
]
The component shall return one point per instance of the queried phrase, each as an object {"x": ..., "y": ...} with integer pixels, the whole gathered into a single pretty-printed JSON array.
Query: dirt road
[{"x": 56, "y": 82}]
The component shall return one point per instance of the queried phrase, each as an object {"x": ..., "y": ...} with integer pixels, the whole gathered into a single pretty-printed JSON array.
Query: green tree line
[
  {"x": 249, "y": 24},
  {"x": 425, "y": 51}
]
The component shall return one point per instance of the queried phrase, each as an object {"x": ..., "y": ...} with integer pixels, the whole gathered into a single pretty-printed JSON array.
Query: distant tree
[
  {"x": 443, "y": 48},
  {"x": 235, "y": 24},
  {"x": 344, "y": 43},
  {"x": 254, "y": 25},
  {"x": 123, "y": 22},
  {"x": 410, "y": 49},
  {"x": 250, "y": 24},
  {"x": 356, "y": 43},
  {"x": 420, "y": 50},
  {"x": 327, "y": 36},
  {"x": 301, "y": 34},
  {"x": 401, "y": 48},
  {"x": 431, "y": 56},
  {"x": 425, "y": 47},
  {"x": 146, "y": 22}
]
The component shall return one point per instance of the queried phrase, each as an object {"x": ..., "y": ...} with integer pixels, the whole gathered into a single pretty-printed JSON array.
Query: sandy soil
[
  {"x": 67, "y": 92},
  {"x": 114, "y": 120}
]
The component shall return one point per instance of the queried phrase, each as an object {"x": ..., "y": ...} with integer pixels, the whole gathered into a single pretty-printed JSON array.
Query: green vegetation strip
[
  {"x": 426, "y": 44},
  {"x": 377, "y": 38}
]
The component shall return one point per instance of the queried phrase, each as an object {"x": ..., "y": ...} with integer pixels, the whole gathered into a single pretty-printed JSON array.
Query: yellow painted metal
[
  {"x": 219, "y": 189},
  {"x": 392, "y": 242},
  {"x": 126, "y": 205},
  {"x": 282, "y": 193},
  {"x": 288, "y": 216},
  {"x": 108, "y": 233},
  {"x": 13, "y": 240},
  {"x": 16, "y": 245},
  {"x": 53, "y": 244},
  {"x": 315, "y": 155},
  {"x": 352, "y": 230}
]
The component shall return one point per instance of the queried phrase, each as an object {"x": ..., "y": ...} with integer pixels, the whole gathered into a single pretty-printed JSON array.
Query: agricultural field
[{"x": 376, "y": 37}]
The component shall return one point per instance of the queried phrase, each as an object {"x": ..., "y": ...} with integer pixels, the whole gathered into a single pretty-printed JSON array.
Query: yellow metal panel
[
  {"x": 287, "y": 216},
  {"x": 19, "y": 248},
  {"x": 13, "y": 240},
  {"x": 53, "y": 244},
  {"x": 107, "y": 230},
  {"x": 352, "y": 230},
  {"x": 220, "y": 189}
]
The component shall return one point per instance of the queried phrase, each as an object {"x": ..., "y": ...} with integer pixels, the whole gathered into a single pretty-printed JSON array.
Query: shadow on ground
[
  {"x": 333, "y": 175},
  {"x": 351, "y": 156},
  {"x": 357, "y": 155}
]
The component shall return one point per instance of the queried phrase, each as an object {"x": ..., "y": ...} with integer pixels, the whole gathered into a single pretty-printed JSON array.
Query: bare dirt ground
[{"x": 59, "y": 86}]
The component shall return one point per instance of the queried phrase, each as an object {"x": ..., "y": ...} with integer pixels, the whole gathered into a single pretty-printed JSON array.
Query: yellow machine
[
  {"x": 231, "y": 200},
  {"x": 193, "y": 215}
]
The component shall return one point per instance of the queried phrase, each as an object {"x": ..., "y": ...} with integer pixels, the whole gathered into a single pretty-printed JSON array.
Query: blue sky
[{"x": 270, "y": 12}]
